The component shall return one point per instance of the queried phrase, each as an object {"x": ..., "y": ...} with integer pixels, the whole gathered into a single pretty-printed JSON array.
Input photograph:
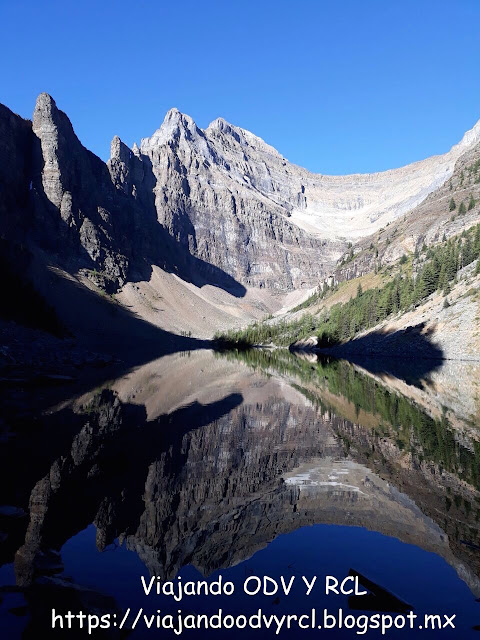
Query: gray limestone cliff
[{"x": 216, "y": 206}]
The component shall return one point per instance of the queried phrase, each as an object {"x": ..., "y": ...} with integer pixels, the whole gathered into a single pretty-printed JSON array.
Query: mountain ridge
[
  {"x": 310, "y": 205},
  {"x": 214, "y": 215}
]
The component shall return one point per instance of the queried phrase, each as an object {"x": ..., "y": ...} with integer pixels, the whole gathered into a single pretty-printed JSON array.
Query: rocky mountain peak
[
  {"x": 219, "y": 123},
  {"x": 48, "y": 120},
  {"x": 45, "y": 105},
  {"x": 173, "y": 114},
  {"x": 221, "y": 194},
  {"x": 57, "y": 141},
  {"x": 176, "y": 126},
  {"x": 221, "y": 128},
  {"x": 470, "y": 138},
  {"x": 119, "y": 150}
]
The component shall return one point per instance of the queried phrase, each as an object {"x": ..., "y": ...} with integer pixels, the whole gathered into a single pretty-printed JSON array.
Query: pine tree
[
  {"x": 476, "y": 242},
  {"x": 468, "y": 251},
  {"x": 452, "y": 205},
  {"x": 420, "y": 290},
  {"x": 442, "y": 277},
  {"x": 396, "y": 289},
  {"x": 406, "y": 293},
  {"x": 471, "y": 203},
  {"x": 430, "y": 278},
  {"x": 462, "y": 209}
]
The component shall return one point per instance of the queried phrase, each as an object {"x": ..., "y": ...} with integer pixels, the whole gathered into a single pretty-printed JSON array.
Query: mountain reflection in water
[{"x": 202, "y": 462}]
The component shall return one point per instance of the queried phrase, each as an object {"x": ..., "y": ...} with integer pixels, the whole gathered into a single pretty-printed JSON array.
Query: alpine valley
[
  {"x": 213, "y": 360},
  {"x": 198, "y": 231}
]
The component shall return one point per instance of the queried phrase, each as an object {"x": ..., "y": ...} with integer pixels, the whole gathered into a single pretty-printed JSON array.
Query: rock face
[
  {"x": 428, "y": 223},
  {"x": 74, "y": 200},
  {"x": 215, "y": 207},
  {"x": 15, "y": 169},
  {"x": 228, "y": 197},
  {"x": 275, "y": 224},
  {"x": 221, "y": 195},
  {"x": 81, "y": 213}
]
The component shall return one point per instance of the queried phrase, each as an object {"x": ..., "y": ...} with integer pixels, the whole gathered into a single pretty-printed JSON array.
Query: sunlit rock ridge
[
  {"x": 224, "y": 157},
  {"x": 215, "y": 217},
  {"x": 237, "y": 202}
]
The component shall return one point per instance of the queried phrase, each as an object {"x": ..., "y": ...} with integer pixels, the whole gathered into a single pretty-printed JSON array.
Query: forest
[{"x": 432, "y": 269}]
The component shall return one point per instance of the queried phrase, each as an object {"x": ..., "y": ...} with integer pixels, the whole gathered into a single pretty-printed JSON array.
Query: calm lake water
[{"x": 201, "y": 465}]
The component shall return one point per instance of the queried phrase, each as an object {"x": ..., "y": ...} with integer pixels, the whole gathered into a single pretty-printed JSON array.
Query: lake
[{"x": 204, "y": 466}]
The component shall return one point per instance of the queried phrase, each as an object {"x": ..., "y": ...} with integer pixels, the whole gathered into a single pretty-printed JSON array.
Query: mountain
[
  {"x": 411, "y": 289},
  {"x": 265, "y": 209},
  {"x": 199, "y": 229}
]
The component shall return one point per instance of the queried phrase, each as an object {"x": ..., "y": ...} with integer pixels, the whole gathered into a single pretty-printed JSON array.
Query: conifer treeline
[{"x": 435, "y": 269}]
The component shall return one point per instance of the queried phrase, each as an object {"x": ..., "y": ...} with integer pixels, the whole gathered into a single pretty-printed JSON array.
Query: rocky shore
[{"x": 34, "y": 356}]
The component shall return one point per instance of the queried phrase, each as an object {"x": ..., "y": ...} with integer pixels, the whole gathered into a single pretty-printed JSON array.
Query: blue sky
[{"x": 337, "y": 86}]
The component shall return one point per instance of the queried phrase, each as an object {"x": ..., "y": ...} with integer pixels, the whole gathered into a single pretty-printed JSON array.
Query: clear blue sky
[{"x": 337, "y": 86}]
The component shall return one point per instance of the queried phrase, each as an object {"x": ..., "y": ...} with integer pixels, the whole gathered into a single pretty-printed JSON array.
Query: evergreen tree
[
  {"x": 396, "y": 303},
  {"x": 462, "y": 208},
  {"x": 420, "y": 289},
  {"x": 468, "y": 251},
  {"x": 471, "y": 203},
  {"x": 442, "y": 277},
  {"x": 452, "y": 204},
  {"x": 430, "y": 278},
  {"x": 406, "y": 293},
  {"x": 451, "y": 263},
  {"x": 476, "y": 242}
]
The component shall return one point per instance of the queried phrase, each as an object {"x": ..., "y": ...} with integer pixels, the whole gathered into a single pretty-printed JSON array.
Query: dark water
[{"x": 200, "y": 466}]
